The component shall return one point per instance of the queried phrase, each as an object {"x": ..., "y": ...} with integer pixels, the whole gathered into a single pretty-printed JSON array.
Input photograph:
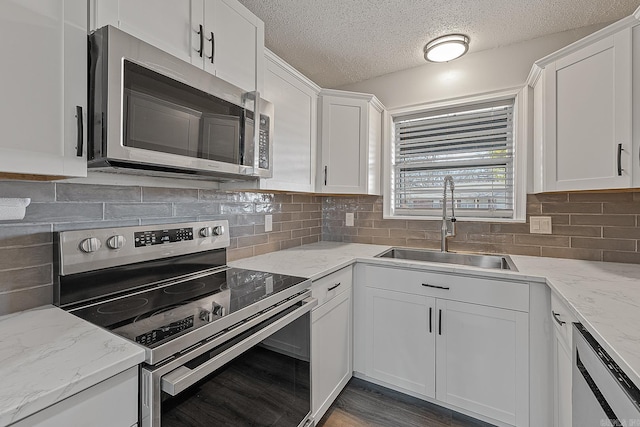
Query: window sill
[{"x": 458, "y": 219}]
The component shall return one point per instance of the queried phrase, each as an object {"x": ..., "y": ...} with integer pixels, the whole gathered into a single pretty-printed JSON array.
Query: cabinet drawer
[
  {"x": 562, "y": 318},
  {"x": 485, "y": 291},
  {"x": 331, "y": 285}
]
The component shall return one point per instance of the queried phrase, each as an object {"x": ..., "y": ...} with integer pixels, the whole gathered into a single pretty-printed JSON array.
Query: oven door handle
[{"x": 182, "y": 378}]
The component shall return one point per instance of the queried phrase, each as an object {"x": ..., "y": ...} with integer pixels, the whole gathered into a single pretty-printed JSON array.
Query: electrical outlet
[
  {"x": 268, "y": 223},
  {"x": 349, "y": 219},
  {"x": 540, "y": 225}
]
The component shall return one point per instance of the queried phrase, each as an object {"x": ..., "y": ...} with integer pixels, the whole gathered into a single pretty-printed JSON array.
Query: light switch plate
[
  {"x": 540, "y": 225},
  {"x": 349, "y": 219},
  {"x": 268, "y": 223}
]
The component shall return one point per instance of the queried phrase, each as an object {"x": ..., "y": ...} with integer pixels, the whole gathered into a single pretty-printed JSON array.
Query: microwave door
[
  {"x": 158, "y": 125},
  {"x": 220, "y": 138}
]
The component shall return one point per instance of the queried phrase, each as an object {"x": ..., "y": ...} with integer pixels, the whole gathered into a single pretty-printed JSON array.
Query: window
[{"x": 474, "y": 144}]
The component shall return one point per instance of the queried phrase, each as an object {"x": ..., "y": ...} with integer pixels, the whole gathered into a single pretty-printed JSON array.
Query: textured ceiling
[{"x": 337, "y": 42}]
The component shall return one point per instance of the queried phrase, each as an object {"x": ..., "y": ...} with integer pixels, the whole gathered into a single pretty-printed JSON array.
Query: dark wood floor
[{"x": 364, "y": 404}]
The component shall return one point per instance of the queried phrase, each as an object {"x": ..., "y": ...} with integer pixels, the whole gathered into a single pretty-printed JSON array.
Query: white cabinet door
[
  {"x": 220, "y": 36},
  {"x": 234, "y": 43},
  {"x": 350, "y": 143},
  {"x": 331, "y": 349},
  {"x": 562, "y": 381},
  {"x": 399, "y": 344},
  {"x": 166, "y": 24},
  {"x": 482, "y": 360},
  {"x": 588, "y": 117},
  {"x": 44, "y": 81},
  {"x": 562, "y": 320},
  {"x": 295, "y": 101}
]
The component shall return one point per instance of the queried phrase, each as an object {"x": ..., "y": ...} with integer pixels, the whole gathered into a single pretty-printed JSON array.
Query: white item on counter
[{"x": 13, "y": 208}]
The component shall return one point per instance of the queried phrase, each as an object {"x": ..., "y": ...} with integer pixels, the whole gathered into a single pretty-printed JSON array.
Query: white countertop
[
  {"x": 605, "y": 297},
  {"x": 47, "y": 355}
]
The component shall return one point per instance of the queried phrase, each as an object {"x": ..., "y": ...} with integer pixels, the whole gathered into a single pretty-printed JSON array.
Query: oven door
[{"x": 260, "y": 377}]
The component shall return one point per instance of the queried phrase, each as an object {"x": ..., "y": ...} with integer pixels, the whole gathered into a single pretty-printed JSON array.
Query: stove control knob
[
  {"x": 116, "y": 242},
  {"x": 206, "y": 232},
  {"x": 206, "y": 316},
  {"x": 218, "y": 230},
  {"x": 90, "y": 245}
]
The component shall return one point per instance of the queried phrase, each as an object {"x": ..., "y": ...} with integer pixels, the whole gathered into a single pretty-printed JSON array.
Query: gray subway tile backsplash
[
  {"x": 592, "y": 226},
  {"x": 97, "y": 193},
  {"x": 26, "y": 247}
]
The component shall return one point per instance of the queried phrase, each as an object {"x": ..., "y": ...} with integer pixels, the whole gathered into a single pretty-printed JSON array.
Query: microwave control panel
[{"x": 263, "y": 143}]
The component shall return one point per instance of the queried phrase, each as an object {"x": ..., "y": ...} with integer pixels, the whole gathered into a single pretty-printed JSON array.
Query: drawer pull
[
  {"x": 439, "y": 322},
  {"x": 556, "y": 317},
  {"x": 430, "y": 319},
  {"x": 334, "y": 286},
  {"x": 435, "y": 286}
]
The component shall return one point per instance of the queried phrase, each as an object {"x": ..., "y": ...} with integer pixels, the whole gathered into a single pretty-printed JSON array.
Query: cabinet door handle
[
  {"x": 325, "y": 175},
  {"x": 201, "y": 34},
  {"x": 446, "y": 288},
  {"x": 213, "y": 47},
  {"x": 334, "y": 286},
  {"x": 80, "y": 126},
  {"x": 439, "y": 322},
  {"x": 430, "y": 319},
  {"x": 619, "y": 159},
  {"x": 556, "y": 317}
]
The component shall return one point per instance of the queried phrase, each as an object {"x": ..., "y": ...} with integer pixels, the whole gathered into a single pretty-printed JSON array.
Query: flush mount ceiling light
[{"x": 446, "y": 48}]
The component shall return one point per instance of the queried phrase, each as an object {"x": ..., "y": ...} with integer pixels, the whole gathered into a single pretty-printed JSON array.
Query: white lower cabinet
[
  {"x": 331, "y": 343},
  {"x": 111, "y": 403},
  {"x": 482, "y": 360},
  {"x": 562, "y": 362},
  {"x": 409, "y": 334},
  {"x": 400, "y": 340}
]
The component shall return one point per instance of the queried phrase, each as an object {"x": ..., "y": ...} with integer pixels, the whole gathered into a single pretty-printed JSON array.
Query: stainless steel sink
[{"x": 500, "y": 262}]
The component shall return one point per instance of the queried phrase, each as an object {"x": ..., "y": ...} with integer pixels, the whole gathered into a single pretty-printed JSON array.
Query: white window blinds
[{"x": 474, "y": 145}]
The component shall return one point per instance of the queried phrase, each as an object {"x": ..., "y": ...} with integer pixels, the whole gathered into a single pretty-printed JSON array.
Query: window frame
[{"x": 520, "y": 97}]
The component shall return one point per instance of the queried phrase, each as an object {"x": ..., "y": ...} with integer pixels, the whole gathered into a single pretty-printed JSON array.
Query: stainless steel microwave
[{"x": 154, "y": 114}]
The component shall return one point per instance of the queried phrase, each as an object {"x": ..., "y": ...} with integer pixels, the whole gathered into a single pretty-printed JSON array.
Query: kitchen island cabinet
[
  {"x": 219, "y": 36},
  {"x": 44, "y": 91}
]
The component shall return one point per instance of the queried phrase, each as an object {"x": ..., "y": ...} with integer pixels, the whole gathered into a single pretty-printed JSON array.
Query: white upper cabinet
[
  {"x": 234, "y": 43},
  {"x": 220, "y": 36},
  {"x": 350, "y": 143},
  {"x": 44, "y": 87},
  {"x": 583, "y": 98},
  {"x": 295, "y": 101},
  {"x": 165, "y": 24}
]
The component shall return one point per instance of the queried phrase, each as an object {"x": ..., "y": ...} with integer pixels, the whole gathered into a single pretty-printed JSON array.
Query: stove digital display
[
  {"x": 159, "y": 237},
  {"x": 165, "y": 331}
]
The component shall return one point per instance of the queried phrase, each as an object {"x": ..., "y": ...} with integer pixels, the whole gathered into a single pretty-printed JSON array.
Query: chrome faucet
[{"x": 446, "y": 230}]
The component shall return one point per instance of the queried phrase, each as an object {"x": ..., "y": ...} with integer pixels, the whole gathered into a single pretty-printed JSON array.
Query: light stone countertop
[
  {"x": 47, "y": 355},
  {"x": 605, "y": 297}
]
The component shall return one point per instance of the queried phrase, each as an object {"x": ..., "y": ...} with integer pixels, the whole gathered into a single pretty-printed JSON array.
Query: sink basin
[{"x": 500, "y": 262}]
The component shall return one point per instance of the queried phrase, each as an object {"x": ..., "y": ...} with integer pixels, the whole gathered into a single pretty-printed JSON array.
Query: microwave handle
[{"x": 256, "y": 131}]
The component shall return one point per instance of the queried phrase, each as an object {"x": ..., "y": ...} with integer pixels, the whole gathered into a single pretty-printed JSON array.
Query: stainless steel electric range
[{"x": 224, "y": 346}]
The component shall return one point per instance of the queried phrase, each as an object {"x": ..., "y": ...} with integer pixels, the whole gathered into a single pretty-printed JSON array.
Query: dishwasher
[{"x": 603, "y": 395}]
